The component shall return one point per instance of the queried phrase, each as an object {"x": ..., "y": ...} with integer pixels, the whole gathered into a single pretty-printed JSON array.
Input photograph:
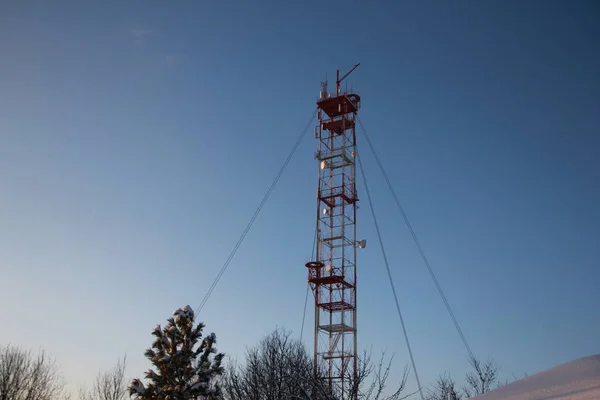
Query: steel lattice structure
[{"x": 332, "y": 276}]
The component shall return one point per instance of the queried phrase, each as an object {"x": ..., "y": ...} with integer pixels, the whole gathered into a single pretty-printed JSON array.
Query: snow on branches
[{"x": 185, "y": 364}]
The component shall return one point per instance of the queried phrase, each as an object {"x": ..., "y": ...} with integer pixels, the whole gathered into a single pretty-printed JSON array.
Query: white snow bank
[{"x": 575, "y": 380}]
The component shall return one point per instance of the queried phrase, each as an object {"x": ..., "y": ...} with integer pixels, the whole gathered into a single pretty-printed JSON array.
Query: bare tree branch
[
  {"x": 109, "y": 385},
  {"x": 25, "y": 376},
  {"x": 375, "y": 390},
  {"x": 482, "y": 380},
  {"x": 444, "y": 389},
  {"x": 280, "y": 368}
]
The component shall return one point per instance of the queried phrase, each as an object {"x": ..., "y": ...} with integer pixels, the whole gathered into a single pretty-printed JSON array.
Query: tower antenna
[
  {"x": 339, "y": 80},
  {"x": 332, "y": 274}
]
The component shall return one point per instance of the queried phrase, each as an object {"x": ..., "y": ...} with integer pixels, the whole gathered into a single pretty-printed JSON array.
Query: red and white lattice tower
[{"x": 332, "y": 276}]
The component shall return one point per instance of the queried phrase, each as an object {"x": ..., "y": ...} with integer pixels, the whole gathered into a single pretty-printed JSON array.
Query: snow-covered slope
[{"x": 575, "y": 380}]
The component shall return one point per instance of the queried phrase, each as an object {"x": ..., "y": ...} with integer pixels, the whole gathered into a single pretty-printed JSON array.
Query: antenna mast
[{"x": 332, "y": 276}]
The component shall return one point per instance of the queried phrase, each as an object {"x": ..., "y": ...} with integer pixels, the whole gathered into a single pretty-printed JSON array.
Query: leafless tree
[
  {"x": 280, "y": 368},
  {"x": 109, "y": 384},
  {"x": 444, "y": 389},
  {"x": 483, "y": 379},
  {"x": 26, "y": 376},
  {"x": 371, "y": 382}
]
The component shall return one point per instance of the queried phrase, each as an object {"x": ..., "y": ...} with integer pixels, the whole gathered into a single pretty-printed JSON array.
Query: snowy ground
[{"x": 576, "y": 380}]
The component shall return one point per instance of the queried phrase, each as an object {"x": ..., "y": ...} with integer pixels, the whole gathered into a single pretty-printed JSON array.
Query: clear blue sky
[{"x": 137, "y": 138}]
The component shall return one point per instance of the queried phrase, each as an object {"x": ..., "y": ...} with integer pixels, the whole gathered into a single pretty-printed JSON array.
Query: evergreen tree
[{"x": 181, "y": 372}]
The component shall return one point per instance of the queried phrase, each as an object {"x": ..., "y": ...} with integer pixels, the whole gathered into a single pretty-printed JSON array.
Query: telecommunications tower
[{"x": 332, "y": 276}]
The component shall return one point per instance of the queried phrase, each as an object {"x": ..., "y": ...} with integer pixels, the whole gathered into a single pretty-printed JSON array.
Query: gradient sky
[{"x": 137, "y": 138}]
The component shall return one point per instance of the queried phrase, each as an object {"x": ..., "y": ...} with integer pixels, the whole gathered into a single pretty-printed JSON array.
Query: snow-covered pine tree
[{"x": 182, "y": 370}]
